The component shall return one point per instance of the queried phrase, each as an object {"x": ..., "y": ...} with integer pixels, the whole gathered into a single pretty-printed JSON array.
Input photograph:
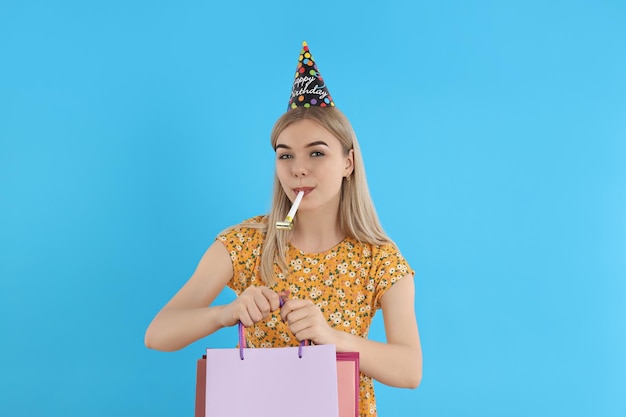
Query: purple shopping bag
[{"x": 266, "y": 382}]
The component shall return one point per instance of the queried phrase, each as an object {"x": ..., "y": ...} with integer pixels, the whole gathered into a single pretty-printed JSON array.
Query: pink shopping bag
[{"x": 348, "y": 376}]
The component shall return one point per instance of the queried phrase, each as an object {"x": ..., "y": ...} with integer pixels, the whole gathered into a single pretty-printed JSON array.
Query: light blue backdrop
[{"x": 494, "y": 134}]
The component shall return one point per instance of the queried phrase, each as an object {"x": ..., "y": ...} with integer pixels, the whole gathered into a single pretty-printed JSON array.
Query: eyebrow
[{"x": 310, "y": 145}]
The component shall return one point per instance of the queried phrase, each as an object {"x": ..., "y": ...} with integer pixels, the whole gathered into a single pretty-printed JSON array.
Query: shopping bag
[
  {"x": 348, "y": 376},
  {"x": 347, "y": 384},
  {"x": 263, "y": 382}
]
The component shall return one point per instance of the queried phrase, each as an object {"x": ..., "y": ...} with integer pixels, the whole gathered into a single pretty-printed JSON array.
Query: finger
[
  {"x": 254, "y": 312},
  {"x": 262, "y": 304},
  {"x": 288, "y": 307},
  {"x": 244, "y": 318},
  {"x": 272, "y": 298},
  {"x": 295, "y": 309},
  {"x": 283, "y": 297},
  {"x": 299, "y": 326},
  {"x": 304, "y": 334},
  {"x": 301, "y": 318}
]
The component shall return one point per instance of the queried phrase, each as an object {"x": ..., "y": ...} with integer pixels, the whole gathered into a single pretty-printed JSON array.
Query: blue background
[{"x": 494, "y": 134}]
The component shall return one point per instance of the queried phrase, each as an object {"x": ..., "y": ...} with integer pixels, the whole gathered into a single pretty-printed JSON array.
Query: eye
[
  {"x": 284, "y": 156},
  {"x": 317, "y": 153}
]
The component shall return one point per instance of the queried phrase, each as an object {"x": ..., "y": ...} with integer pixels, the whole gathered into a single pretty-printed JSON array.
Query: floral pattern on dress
[{"x": 346, "y": 282}]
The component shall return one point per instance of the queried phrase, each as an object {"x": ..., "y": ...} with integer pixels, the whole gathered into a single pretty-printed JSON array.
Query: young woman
[{"x": 333, "y": 270}]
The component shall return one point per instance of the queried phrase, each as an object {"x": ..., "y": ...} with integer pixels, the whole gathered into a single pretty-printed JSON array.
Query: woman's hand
[
  {"x": 306, "y": 322},
  {"x": 252, "y": 306}
]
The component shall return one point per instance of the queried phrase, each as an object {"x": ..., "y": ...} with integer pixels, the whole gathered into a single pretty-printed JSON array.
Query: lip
[{"x": 306, "y": 190}]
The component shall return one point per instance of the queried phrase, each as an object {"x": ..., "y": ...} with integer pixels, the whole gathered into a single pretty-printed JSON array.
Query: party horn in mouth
[{"x": 287, "y": 224}]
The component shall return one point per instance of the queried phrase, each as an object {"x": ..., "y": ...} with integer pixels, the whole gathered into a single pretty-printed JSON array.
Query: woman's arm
[
  {"x": 186, "y": 317},
  {"x": 396, "y": 363},
  {"x": 399, "y": 361}
]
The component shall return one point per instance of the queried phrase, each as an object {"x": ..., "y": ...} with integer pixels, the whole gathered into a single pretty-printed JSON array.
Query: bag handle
[{"x": 242, "y": 339}]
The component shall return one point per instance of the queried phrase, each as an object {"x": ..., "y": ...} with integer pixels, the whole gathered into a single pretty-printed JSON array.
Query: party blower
[{"x": 287, "y": 224}]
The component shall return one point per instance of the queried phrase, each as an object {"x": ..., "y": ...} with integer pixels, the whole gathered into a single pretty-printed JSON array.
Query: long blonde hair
[{"x": 357, "y": 215}]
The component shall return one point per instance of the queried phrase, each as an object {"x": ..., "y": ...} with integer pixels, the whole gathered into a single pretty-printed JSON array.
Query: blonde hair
[{"x": 357, "y": 215}]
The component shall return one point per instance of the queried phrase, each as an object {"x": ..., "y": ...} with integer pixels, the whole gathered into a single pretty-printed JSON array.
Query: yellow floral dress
[{"x": 346, "y": 282}]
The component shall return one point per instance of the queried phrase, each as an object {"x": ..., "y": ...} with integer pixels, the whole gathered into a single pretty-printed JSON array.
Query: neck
[{"x": 317, "y": 231}]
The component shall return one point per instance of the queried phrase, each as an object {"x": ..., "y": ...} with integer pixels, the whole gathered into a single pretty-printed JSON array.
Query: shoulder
[
  {"x": 372, "y": 250},
  {"x": 252, "y": 222},
  {"x": 256, "y": 222},
  {"x": 387, "y": 250},
  {"x": 250, "y": 229},
  {"x": 384, "y": 258}
]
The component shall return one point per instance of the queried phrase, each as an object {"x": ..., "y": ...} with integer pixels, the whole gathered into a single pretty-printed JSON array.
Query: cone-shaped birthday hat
[{"x": 309, "y": 88}]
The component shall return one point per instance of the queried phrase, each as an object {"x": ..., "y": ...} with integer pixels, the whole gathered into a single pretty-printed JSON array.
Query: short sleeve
[
  {"x": 244, "y": 244},
  {"x": 389, "y": 267}
]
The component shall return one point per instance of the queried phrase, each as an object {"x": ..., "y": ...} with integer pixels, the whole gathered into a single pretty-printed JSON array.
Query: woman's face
[{"x": 310, "y": 159}]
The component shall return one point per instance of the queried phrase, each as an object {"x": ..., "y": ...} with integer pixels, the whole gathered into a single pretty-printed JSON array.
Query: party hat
[{"x": 309, "y": 88}]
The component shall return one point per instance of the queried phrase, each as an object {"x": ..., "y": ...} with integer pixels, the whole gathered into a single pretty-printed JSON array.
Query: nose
[{"x": 299, "y": 170}]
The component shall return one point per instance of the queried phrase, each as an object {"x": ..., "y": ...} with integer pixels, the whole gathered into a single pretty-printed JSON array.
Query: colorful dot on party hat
[{"x": 308, "y": 87}]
